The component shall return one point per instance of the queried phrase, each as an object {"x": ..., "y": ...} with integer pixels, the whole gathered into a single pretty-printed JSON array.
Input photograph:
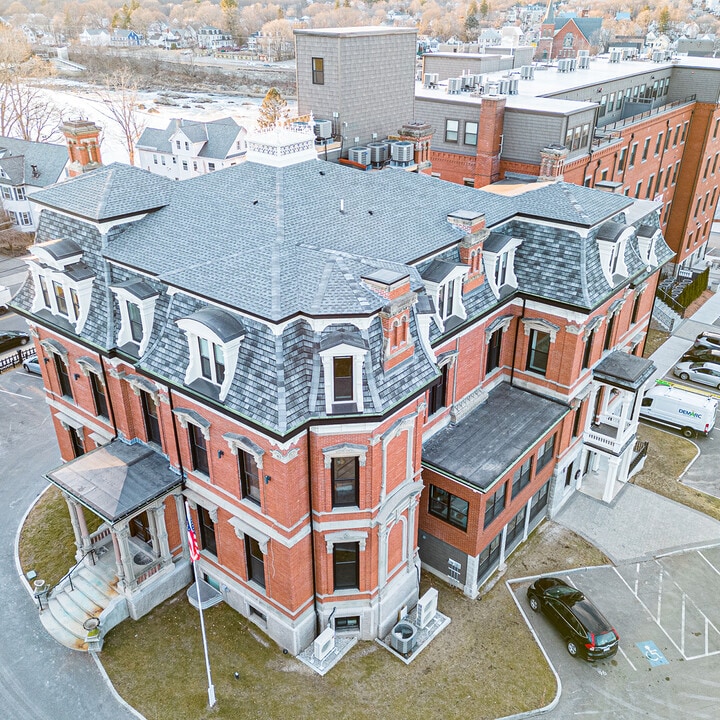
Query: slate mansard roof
[{"x": 280, "y": 247}]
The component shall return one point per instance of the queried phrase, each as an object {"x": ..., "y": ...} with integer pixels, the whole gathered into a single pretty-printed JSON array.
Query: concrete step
[
  {"x": 78, "y": 605},
  {"x": 61, "y": 633},
  {"x": 65, "y": 618},
  {"x": 95, "y": 588}
]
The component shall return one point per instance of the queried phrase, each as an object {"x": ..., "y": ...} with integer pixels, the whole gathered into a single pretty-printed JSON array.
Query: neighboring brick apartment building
[
  {"x": 345, "y": 374},
  {"x": 644, "y": 129}
]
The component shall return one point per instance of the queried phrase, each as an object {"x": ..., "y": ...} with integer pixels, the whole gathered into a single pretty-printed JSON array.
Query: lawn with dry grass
[
  {"x": 668, "y": 456},
  {"x": 47, "y": 542},
  {"x": 655, "y": 338},
  {"x": 485, "y": 664}
]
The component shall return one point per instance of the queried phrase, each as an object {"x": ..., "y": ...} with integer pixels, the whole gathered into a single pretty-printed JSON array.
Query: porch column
[
  {"x": 613, "y": 464},
  {"x": 118, "y": 559},
  {"x": 123, "y": 539},
  {"x": 180, "y": 510},
  {"x": 77, "y": 530},
  {"x": 162, "y": 546},
  {"x": 624, "y": 412}
]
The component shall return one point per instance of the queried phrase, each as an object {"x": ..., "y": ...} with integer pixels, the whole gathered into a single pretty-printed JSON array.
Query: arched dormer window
[
  {"x": 214, "y": 338},
  {"x": 63, "y": 282},
  {"x": 612, "y": 240},
  {"x": 499, "y": 258},
  {"x": 443, "y": 282},
  {"x": 343, "y": 355},
  {"x": 136, "y": 299},
  {"x": 647, "y": 237}
]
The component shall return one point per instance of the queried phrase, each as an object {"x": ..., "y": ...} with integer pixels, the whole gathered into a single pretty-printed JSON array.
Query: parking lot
[{"x": 668, "y": 618}]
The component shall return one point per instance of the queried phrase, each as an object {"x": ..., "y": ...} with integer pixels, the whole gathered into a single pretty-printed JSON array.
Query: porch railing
[
  {"x": 67, "y": 576},
  {"x": 640, "y": 450}
]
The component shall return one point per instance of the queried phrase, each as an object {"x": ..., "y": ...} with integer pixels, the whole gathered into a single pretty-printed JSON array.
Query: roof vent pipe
[{"x": 342, "y": 205}]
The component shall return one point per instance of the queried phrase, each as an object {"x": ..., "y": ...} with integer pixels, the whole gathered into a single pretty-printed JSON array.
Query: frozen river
[{"x": 77, "y": 100}]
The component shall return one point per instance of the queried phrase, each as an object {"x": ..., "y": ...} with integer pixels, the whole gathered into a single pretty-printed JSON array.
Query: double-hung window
[
  {"x": 522, "y": 477},
  {"x": 495, "y": 504},
  {"x": 438, "y": 392},
  {"x": 493, "y": 351},
  {"x": 255, "y": 561},
  {"x": 539, "y": 349},
  {"x": 249, "y": 477},
  {"x": 212, "y": 362},
  {"x": 345, "y": 483},
  {"x": 471, "y": 133},
  {"x": 546, "y": 453},
  {"x": 63, "y": 375},
  {"x": 99, "y": 396},
  {"x": 150, "y": 417},
  {"x": 343, "y": 379},
  {"x": 318, "y": 71},
  {"x": 448, "y": 507},
  {"x": 452, "y": 128},
  {"x": 208, "y": 540},
  {"x": 198, "y": 449},
  {"x": 346, "y": 566}
]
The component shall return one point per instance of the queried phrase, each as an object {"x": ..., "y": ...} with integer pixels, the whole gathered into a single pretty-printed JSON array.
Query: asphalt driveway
[{"x": 668, "y": 618}]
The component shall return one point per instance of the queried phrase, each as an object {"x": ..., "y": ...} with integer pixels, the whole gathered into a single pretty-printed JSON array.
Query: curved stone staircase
[{"x": 94, "y": 590}]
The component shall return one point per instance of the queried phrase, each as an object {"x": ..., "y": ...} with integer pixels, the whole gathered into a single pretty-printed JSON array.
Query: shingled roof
[{"x": 17, "y": 158}]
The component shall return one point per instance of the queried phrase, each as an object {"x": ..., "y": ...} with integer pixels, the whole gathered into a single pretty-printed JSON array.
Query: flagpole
[{"x": 211, "y": 687}]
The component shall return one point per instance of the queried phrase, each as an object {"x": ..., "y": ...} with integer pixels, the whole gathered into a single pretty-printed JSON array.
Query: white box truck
[{"x": 691, "y": 412}]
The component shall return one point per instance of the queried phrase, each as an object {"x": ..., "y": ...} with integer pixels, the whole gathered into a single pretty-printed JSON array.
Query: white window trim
[
  {"x": 242, "y": 527},
  {"x": 343, "y": 350},
  {"x": 230, "y": 349},
  {"x": 240, "y": 442},
  {"x": 345, "y": 536},
  {"x": 647, "y": 247},
  {"x": 186, "y": 416},
  {"x": 146, "y": 307},
  {"x": 490, "y": 261},
  {"x": 344, "y": 450},
  {"x": 82, "y": 288},
  {"x": 456, "y": 277},
  {"x": 540, "y": 325}
]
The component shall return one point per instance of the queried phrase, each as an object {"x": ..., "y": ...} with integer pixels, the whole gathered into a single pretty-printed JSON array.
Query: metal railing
[
  {"x": 67, "y": 576},
  {"x": 640, "y": 450},
  {"x": 665, "y": 107},
  {"x": 16, "y": 359}
]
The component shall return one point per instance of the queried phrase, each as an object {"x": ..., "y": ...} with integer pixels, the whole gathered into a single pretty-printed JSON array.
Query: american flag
[{"x": 192, "y": 539}]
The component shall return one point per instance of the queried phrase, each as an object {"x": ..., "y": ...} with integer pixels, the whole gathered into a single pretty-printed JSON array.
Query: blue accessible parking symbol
[{"x": 652, "y": 653}]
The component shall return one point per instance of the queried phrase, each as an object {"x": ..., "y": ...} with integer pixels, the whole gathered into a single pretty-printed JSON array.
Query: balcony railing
[{"x": 637, "y": 117}]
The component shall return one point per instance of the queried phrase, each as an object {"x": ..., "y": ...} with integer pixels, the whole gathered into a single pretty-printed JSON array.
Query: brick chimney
[
  {"x": 487, "y": 159},
  {"x": 552, "y": 163},
  {"x": 470, "y": 248},
  {"x": 395, "y": 316},
  {"x": 83, "y": 141}
]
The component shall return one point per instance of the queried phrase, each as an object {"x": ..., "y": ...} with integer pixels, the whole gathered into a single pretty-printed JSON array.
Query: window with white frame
[
  {"x": 136, "y": 300},
  {"x": 214, "y": 338},
  {"x": 499, "y": 260},
  {"x": 443, "y": 282},
  {"x": 612, "y": 240},
  {"x": 342, "y": 356},
  {"x": 63, "y": 282}
]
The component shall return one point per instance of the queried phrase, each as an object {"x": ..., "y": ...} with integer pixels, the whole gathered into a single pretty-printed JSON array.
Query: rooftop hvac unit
[
  {"x": 564, "y": 65},
  {"x": 402, "y": 151},
  {"x": 426, "y": 608},
  {"x": 378, "y": 152},
  {"x": 323, "y": 129},
  {"x": 583, "y": 62},
  {"x": 658, "y": 56},
  {"x": 403, "y": 637},
  {"x": 583, "y": 53},
  {"x": 359, "y": 155},
  {"x": 430, "y": 80},
  {"x": 615, "y": 56},
  {"x": 324, "y": 644},
  {"x": 479, "y": 80},
  {"x": 504, "y": 87},
  {"x": 454, "y": 86},
  {"x": 468, "y": 82},
  {"x": 572, "y": 64},
  {"x": 527, "y": 72},
  {"x": 493, "y": 88},
  {"x": 514, "y": 85}
]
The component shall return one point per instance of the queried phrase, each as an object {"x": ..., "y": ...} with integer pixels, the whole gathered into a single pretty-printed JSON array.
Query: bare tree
[
  {"x": 121, "y": 106},
  {"x": 24, "y": 109},
  {"x": 273, "y": 111}
]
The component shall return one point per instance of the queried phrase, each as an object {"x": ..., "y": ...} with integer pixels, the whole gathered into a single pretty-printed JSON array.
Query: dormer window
[
  {"x": 343, "y": 355},
  {"x": 612, "y": 240},
  {"x": 63, "y": 282},
  {"x": 136, "y": 300},
  {"x": 648, "y": 237},
  {"x": 443, "y": 281},
  {"x": 214, "y": 338},
  {"x": 499, "y": 258}
]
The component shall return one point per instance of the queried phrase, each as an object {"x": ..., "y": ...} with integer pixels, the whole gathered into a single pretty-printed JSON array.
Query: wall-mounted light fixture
[
  {"x": 220, "y": 453},
  {"x": 267, "y": 479}
]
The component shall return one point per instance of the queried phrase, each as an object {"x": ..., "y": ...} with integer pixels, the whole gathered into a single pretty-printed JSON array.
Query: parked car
[
  {"x": 701, "y": 354},
  {"x": 32, "y": 365},
  {"x": 709, "y": 340},
  {"x": 12, "y": 338},
  {"x": 699, "y": 372},
  {"x": 585, "y": 630}
]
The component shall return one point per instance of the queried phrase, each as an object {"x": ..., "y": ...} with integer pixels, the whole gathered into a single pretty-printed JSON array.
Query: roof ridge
[{"x": 577, "y": 206}]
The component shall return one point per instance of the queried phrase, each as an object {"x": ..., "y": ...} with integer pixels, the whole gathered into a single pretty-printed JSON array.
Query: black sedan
[
  {"x": 12, "y": 338},
  {"x": 585, "y": 630}
]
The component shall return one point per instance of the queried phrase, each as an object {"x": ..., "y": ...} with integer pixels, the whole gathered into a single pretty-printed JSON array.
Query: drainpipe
[
  {"x": 175, "y": 435},
  {"x": 312, "y": 529}
]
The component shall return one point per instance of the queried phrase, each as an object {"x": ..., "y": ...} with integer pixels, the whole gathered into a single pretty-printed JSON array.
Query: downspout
[
  {"x": 175, "y": 435},
  {"x": 312, "y": 530},
  {"x": 517, "y": 328}
]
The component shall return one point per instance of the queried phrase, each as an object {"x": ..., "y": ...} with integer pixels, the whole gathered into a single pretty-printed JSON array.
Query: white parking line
[
  {"x": 708, "y": 562},
  {"x": 7, "y": 392},
  {"x": 627, "y": 658}
]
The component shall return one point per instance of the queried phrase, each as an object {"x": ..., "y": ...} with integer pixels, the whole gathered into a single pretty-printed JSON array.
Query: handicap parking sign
[{"x": 652, "y": 653}]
